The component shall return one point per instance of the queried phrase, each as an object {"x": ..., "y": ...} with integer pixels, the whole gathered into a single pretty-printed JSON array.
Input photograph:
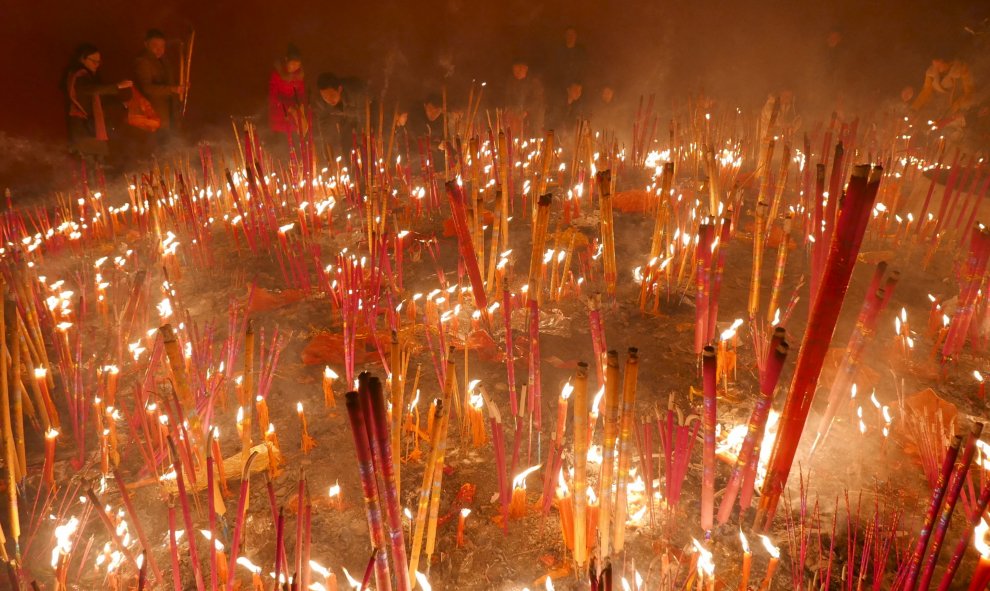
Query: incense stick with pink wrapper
[
  {"x": 369, "y": 487},
  {"x": 949, "y": 505},
  {"x": 850, "y": 229},
  {"x": 703, "y": 271},
  {"x": 709, "y": 373}
]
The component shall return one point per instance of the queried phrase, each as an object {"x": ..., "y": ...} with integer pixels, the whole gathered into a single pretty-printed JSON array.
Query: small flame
[
  {"x": 744, "y": 542},
  {"x": 520, "y": 480},
  {"x": 772, "y": 550}
]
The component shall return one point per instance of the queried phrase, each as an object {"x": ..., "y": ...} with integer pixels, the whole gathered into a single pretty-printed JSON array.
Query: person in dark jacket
[
  {"x": 524, "y": 100},
  {"x": 338, "y": 111},
  {"x": 155, "y": 79},
  {"x": 84, "y": 90}
]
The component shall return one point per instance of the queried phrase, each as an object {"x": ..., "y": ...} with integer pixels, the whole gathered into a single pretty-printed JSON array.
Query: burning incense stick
[{"x": 850, "y": 229}]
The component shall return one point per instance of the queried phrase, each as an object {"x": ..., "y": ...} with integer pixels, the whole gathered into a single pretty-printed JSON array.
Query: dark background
[{"x": 740, "y": 50}]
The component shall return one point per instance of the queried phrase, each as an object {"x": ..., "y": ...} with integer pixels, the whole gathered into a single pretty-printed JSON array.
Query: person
[
  {"x": 524, "y": 100},
  {"x": 337, "y": 111},
  {"x": 287, "y": 94},
  {"x": 571, "y": 61},
  {"x": 569, "y": 108},
  {"x": 84, "y": 92},
  {"x": 952, "y": 83},
  {"x": 155, "y": 79}
]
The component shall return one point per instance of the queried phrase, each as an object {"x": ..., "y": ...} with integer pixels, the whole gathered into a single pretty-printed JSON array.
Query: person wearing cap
[
  {"x": 155, "y": 79},
  {"x": 287, "y": 94}
]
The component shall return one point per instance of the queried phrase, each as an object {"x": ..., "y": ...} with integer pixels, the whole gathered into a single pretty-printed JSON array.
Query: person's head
[
  {"x": 154, "y": 41},
  {"x": 330, "y": 87},
  {"x": 401, "y": 118},
  {"x": 941, "y": 65},
  {"x": 607, "y": 95},
  {"x": 907, "y": 93},
  {"x": 833, "y": 39},
  {"x": 292, "y": 59},
  {"x": 574, "y": 91},
  {"x": 433, "y": 107},
  {"x": 520, "y": 68},
  {"x": 570, "y": 37},
  {"x": 88, "y": 56}
]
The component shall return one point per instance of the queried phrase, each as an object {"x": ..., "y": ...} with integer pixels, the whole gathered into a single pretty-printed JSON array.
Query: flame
[
  {"x": 335, "y": 489},
  {"x": 596, "y": 403},
  {"x": 744, "y": 542},
  {"x": 980, "y": 539},
  {"x": 566, "y": 391},
  {"x": 548, "y": 584},
  {"x": 465, "y": 512},
  {"x": 706, "y": 566},
  {"x": 355, "y": 584},
  {"x": 520, "y": 480},
  {"x": 772, "y": 550},
  {"x": 329, "y": 373},
  {"x": 319, "y": 568},
  {"x": 423, "y": 582},
  {"x": 978, "y": 376},
  {"x": 63, "y": 539},
  {"x": 299, "y": 407}
]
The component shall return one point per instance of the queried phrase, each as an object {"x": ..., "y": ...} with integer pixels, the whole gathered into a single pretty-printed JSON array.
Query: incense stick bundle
[
  {"x": 580, "y": 464},
  {"x": 972, "y": 279},
  {"x": 611, "y": 421},
  {"x": 607, "y": 228},
  {"x": 424, "y": 492},
  {"x": 703, "y": 271},
  {"x": 629, "y": 385},
  {"x": 850, "y": 229},
  {"x": 778, "y": 276},
  {"x": 758, "y": 237}
]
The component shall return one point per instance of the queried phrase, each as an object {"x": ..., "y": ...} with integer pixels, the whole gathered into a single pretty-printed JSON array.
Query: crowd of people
[{"x": 334, "y": 108}]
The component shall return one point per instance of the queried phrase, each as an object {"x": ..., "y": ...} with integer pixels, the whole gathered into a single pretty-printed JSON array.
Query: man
[
  {"x": 338, "y": 111},
  {"x": 524, "y": 100},
  {"x": 952, "y": 83},
  {"x": 566, "y": 112},
  {"x": 571, "y": 62},
  {"x": 156, "y": 81}
]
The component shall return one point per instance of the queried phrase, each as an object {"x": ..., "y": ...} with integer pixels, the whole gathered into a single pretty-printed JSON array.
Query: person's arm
[
  {"x": 88, "y": 86},
  {"x": 924, "y": 96},
  {"x": 145, "y": 73}
]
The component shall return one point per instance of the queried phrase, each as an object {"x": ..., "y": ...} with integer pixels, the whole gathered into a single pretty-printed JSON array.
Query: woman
[
  {"x": 287, "y": 94},
  {"x": 84, "y": 89}
]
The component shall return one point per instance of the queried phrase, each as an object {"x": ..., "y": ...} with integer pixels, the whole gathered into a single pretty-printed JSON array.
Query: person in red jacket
[{"x": 287, "y": 94}]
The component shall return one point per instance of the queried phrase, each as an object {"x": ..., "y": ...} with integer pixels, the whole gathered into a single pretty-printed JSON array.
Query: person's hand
[{"x": 125, "y": 84}]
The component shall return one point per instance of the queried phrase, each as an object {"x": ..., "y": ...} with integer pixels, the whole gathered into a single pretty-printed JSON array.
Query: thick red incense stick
[
  {"x": 709, "y": 373},
  {"x": 850, "y": 228}
]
